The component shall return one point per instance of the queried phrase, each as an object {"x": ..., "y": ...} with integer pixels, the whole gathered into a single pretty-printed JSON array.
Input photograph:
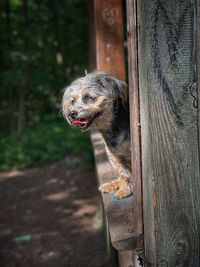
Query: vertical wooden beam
[
  {"x": 92, "y": 36},
  {"x": 109, "y": 37},
  {"x": 170, "y": 156},
  {"x": 132, "y": 29},
  {"x": 198, "y": 61},
  {"x": 134, "y": 99},
  {"x": 147, "y": 182}
]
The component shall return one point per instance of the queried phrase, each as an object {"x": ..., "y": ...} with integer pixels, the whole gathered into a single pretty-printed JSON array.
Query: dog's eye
[
  {"x": 88, "y": 99},
  {"x": 73, "y": 101}
]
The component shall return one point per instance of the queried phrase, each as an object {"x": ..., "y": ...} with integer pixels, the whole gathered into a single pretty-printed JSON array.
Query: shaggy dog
[{"x": 99, "y": 101}]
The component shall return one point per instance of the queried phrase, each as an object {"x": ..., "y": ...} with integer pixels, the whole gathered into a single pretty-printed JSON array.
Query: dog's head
[{"x": 89, "y": 101}]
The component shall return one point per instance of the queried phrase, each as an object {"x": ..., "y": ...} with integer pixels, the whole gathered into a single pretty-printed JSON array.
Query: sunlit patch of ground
[{"x": 47, "y": 218}]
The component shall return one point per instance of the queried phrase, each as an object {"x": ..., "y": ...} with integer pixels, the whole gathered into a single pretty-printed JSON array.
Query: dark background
[{"x": 44, "y": 46}]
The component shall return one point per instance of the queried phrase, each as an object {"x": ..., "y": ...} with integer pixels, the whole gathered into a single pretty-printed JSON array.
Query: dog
[{"x": 100, "y": 101}]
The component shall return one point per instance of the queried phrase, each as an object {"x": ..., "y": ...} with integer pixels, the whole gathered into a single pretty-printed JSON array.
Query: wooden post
[
  {"x": 198, "y": 61},
  {"x": 92, "y": 36},
  {"x": 132, "y": 38},
  {"x": 109, "y": 37},
  {"x": 132, "y": 32},
  {"x": 169, "y": 132}
]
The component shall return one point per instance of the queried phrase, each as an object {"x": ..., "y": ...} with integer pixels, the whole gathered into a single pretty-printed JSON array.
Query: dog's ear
[{"x": 117, "y": 87}]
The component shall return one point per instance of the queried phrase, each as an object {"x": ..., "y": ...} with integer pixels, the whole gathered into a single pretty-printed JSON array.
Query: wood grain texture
[
  {"x": 170, "y": 157},
  {"x": 125, "y": 259},
  {"x": 119, "y": 213},
  {"x": 109, "y": 37},
  {"x": 132, "y": 32},
  {"x": 92, "y": 35},
  {"x": 198, "y": 60},
  {"x": 147, "y": 182}
]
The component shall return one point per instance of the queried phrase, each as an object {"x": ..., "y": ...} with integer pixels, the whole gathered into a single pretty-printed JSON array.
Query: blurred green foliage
[
  {"x": 44, "y": 46},
  {"x": 42, "y": 144}
]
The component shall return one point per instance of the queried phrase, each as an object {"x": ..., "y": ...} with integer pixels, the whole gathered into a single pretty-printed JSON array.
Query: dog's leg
[
  {"x": 111, "y": 187},
  {"x": 125, "y": 190},
  {"x": 122, "y": 186}
]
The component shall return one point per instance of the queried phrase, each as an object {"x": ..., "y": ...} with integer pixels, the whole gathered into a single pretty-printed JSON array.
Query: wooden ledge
[{"x": 119, "y": 213}]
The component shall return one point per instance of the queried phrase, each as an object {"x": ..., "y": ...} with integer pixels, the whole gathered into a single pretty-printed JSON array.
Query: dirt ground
[{"x": 47, "y": 217}]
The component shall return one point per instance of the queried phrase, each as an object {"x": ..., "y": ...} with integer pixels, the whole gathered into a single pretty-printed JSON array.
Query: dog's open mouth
[{"x": 84, "y": 123}]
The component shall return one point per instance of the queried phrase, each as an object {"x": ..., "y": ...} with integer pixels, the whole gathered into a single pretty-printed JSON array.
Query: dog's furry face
[{"x": 89, "y": 101}]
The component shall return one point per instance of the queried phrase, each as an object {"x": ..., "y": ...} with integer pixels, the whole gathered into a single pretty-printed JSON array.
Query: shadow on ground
[{"x": 47, "y": 217}]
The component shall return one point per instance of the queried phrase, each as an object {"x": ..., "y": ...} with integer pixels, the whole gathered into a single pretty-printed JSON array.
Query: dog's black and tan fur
[{"x": 99, "y": 101}]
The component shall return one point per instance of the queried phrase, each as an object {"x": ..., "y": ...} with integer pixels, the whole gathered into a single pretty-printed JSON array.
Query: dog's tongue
[{"x": 81, "y": 122}]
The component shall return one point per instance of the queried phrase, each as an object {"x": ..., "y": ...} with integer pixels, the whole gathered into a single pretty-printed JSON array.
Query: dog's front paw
[
  {"x": 123, "y": 192},
  {"x": 111, "y": 187}
]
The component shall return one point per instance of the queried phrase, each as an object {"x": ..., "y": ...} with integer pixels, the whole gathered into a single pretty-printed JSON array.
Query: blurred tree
[{"x": 44, "y": 46}]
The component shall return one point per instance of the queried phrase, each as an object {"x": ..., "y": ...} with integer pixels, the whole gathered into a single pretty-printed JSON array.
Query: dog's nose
[{"x": 73, "y": 114}]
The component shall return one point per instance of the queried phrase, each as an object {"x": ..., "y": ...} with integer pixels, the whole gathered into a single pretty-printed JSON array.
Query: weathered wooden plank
[
  {"x": 170, "y": 157},
  {"x": 92, "y": 35},
  {"x": 125, "y": 259},
  {"x": 147, "y": 181},
  {"x": 132, "y": 26},
  {"x": 119, "y": 213},
  {"x": 198, "y": 60},
  {"x": 109, "y": 37}
]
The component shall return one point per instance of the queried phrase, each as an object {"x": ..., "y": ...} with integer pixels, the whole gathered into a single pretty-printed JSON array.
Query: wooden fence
[{"x": 161, "y": 224}]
